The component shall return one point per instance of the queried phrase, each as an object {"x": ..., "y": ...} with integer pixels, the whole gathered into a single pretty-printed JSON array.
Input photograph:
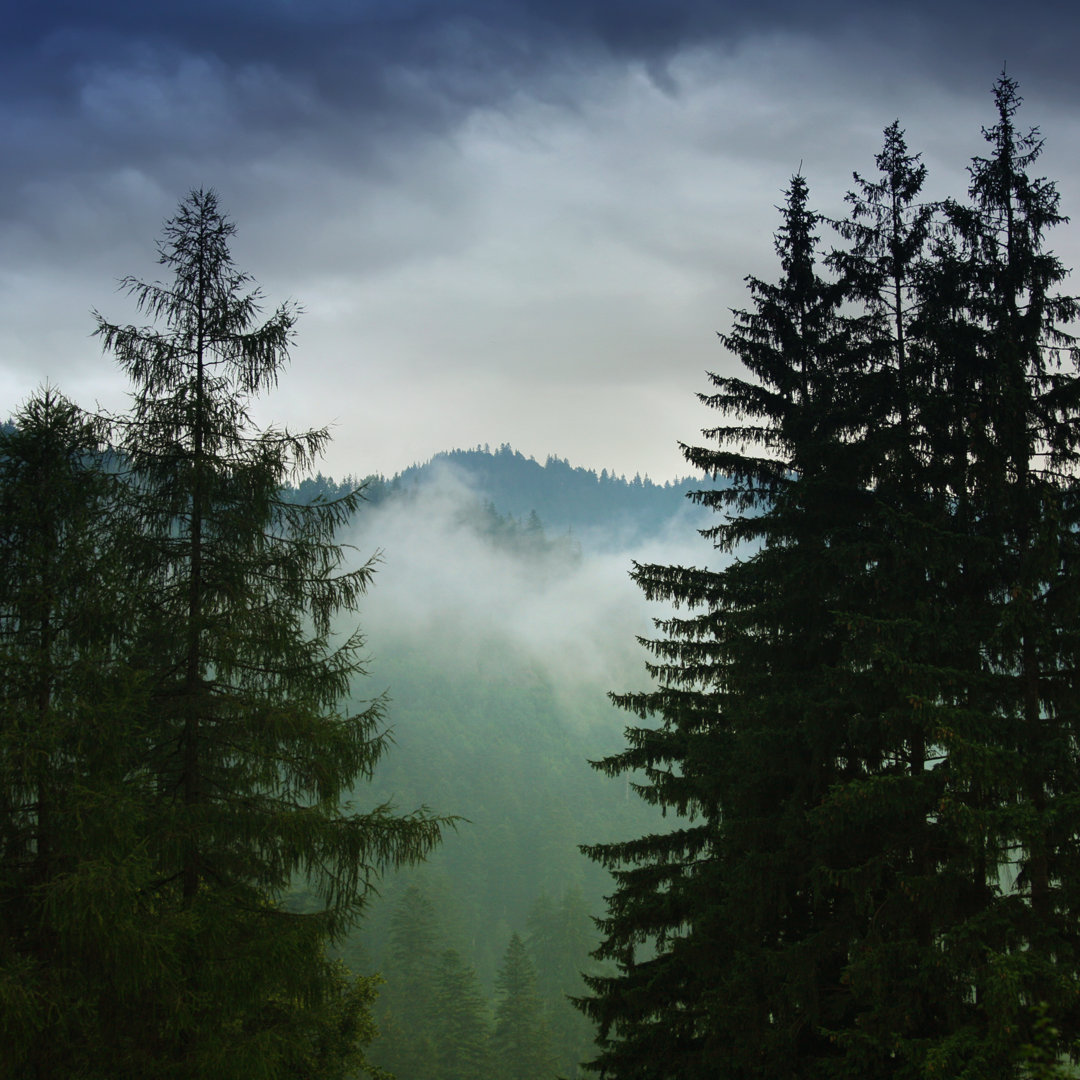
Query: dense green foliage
[
  {"x": 867, "y": 716},
  {"x": 482, "y": 728},
  {"x": 174, "y": 751},
  {"x": 75, "y": 954}
]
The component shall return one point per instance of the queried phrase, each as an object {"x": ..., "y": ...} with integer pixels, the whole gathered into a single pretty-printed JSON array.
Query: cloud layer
[
  {"x": 444, "y": 591},
  {"x": 507, "y": 221}
]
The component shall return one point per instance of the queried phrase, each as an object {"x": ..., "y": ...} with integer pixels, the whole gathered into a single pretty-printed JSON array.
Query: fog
[{"x": 571, "y": 615}]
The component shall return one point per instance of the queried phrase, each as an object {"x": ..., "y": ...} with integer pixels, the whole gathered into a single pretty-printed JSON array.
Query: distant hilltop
[{"x": 565, "y": 498}]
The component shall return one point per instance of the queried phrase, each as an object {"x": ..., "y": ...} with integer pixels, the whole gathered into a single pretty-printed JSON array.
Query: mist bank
[
  {"x": 497, "y": 641},
  {"x": 603, "y": 510},
  {"x": 472, "y": 564}
]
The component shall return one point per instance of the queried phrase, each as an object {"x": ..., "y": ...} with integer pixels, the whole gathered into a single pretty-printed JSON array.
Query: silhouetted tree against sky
[
  {"x": 867, "y": 715},
  {"x": 251, "y": 755},
  {"x": 1012, "y": 759},
  {"x": 733, "y": 930}
]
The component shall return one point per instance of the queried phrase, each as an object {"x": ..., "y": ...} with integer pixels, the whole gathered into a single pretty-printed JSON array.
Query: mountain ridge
[{"x": 563, "y": 497}]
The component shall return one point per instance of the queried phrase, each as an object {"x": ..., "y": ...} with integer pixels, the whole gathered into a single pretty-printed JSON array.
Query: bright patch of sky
[{"x": 513, "y": 222}]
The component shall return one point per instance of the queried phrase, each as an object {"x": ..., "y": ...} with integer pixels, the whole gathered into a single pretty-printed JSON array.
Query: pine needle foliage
[
  {"x": 252, "y": 759},
  {"x": 866, "y": 714},
  {"x": 74, "y": 946}
]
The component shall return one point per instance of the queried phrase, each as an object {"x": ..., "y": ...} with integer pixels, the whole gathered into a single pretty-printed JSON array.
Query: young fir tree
[
  {"x": 331, "y": 1043},
  {"x": 520, "y": 1042},
  {"x": 460, "y": 1033},
  {"x": 251, "y": 759}
]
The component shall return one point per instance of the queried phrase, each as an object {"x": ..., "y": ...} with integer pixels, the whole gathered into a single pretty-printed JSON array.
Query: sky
[{"x": 507, "y": 221}]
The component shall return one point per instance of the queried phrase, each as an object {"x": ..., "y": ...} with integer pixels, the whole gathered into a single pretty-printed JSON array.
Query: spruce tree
[
  {"x": 914, "y": 841},
  {"x": 876, "y": 830},
  {"x": 460, "y": 1033},
  {"x": 74, "y": 952},
  {"x": 520, "y": 1042},
  {"x": 251, "y": 757},
  {"x": 866, "y": 716},
  {"x": 725, "y": 945},
  {"x": 1012, "y": 761}
]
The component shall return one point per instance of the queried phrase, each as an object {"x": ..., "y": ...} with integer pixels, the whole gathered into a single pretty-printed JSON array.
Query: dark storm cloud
[
  {"x": 350, "y": 54},
  {"x": 91, "y": 86}
]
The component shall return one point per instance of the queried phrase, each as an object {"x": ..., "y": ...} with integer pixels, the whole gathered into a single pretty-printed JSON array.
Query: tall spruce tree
[
  {"x": 251, "y": 758},
  {"x": 735, "y": 932},
  {"x": 867, "y": 719},
  {"x": 1013, "y": 766},
  {"x": 876, "y": 830}
]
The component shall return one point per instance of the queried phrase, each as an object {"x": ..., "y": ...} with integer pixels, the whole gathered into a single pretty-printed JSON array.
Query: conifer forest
[{"x": 801, "y": 801}]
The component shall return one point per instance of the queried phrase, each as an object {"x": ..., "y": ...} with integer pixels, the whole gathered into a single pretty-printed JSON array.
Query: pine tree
[
  {"x": 876, "y": 831},
  {"x": 1012, "y": 760},
  {"x": 520, "y": 1043},
  {"x": 72, "y": 878},
  {"x": 752, "y": 716},
  {"x": 867, "y": 714},
  {"x": 460, "y": 1033},
  {"x": 250, "y": 756}
]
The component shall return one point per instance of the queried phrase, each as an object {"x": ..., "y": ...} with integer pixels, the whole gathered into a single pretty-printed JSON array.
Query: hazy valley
[{"x": 501, "y": 616}]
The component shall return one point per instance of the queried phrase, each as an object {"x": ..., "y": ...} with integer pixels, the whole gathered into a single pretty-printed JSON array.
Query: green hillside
[
  {"x": 497, "y": 640},
  {"x": 597, "y": 507}
]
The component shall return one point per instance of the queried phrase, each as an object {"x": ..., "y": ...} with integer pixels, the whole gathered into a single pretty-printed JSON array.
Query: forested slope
[
  {"x": 597, "y": 508},
  {"x": 497, "y": 639}
]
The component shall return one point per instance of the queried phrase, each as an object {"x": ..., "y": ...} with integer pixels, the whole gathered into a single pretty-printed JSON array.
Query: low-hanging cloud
[{"x": 446, "y": 589}]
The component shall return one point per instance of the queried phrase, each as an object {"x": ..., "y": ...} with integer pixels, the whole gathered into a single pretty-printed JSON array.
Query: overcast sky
[{"x": 507, "y": 220}]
